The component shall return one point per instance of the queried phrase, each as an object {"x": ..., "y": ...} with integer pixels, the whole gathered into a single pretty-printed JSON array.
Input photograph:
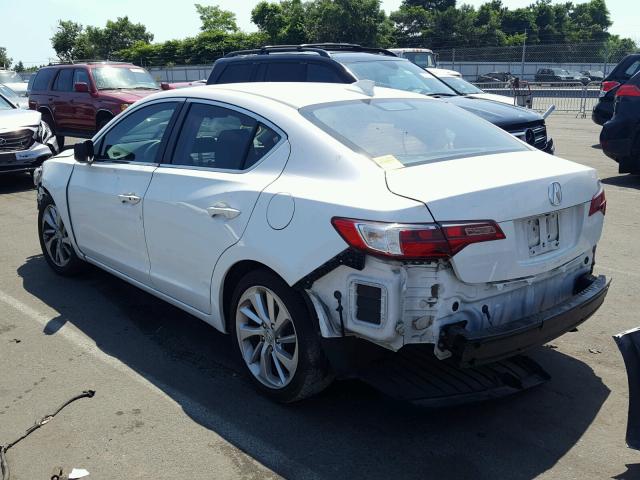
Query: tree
[
  {"x": 19, "y": 66},
  {"x": 284, "y": 22},
  {"x": 440, "y": 5},
  {"x": 65, "y": 40},
  {"x": 352, "y": 21},
  {"x": 215, "y": 19},
  {"x": 5, "y": 61}
]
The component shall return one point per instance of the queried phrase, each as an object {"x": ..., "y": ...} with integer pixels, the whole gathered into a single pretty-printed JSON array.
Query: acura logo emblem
[
  {"x": 530, "y": 137},
  {"x": 555, "y": 194}
]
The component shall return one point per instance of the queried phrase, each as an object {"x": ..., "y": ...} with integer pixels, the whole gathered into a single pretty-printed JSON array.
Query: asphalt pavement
[{"x": 171, "y": 402}]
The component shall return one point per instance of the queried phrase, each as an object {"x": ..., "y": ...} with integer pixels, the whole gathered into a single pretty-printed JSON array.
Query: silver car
[{"x": 25, "y": 140}]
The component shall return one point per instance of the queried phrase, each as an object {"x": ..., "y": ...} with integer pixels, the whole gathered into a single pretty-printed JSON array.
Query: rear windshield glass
[{"x": 411, "y": 131}]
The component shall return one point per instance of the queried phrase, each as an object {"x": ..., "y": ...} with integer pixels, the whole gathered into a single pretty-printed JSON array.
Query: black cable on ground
[{"x": 4, "y": 467}]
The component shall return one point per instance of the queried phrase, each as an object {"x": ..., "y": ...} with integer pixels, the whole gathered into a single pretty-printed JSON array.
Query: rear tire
[
  {"x": 274, "y": 335},
  {"x": 55, "y": 240}
]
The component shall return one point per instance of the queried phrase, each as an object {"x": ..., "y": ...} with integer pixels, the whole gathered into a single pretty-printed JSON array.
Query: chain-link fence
[{"x": 526, "y": 61}]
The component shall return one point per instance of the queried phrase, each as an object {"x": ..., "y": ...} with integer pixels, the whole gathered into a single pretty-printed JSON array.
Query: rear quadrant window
[{"x": 286, "y": 72}]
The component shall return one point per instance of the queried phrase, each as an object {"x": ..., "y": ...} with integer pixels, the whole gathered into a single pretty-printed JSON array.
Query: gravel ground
[{"x": 171, "y": 403}]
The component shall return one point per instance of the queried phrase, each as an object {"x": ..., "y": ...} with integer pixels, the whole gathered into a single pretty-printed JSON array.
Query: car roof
[
  {"x": 349, "y": 57},
  {"x": 295, "y": 95}
]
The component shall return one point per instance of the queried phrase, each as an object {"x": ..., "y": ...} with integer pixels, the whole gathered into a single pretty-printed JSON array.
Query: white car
[
  {"x": 291, "y": 214},
  {"x": 25, "y": 140}
]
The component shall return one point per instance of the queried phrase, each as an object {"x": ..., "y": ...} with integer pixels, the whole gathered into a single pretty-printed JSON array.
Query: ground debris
[{"x": 595, "y": 351}]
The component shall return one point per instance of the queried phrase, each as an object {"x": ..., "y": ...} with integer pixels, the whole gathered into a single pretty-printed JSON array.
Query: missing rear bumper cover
[{"x": 479, "y": 347}]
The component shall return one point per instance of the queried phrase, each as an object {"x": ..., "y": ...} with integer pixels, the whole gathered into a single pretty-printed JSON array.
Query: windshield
[
  {"x": 460, "y": 85},
  {"x": 10, "y": 77},
  {"x": 560, "y": 71},
  {"x": 400, "y": 74},
  {"x": 114, "y": 78},
  {"x": 409, "y": 131},
  {"x": 10, "y": 94},
  {"x": 422, "y": 59}
]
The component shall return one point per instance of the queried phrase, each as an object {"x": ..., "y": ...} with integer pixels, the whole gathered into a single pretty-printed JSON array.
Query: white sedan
[{"x": 296, "y": 215}]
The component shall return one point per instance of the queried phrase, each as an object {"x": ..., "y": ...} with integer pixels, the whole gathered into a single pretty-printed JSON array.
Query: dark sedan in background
[{"x": 620, "y": 136}]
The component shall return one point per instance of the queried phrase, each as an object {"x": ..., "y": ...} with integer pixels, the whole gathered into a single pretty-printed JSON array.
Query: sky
[{"x": 27, "y": 27}]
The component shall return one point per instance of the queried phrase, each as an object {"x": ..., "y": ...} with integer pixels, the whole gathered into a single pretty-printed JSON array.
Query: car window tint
[
  {"x": 43, "y": 78},
  {"x": 215, "y": 137},
  {"x": 137, "y": 137},
  {"x": 236, "y": 72},
  {"x": 63, "y": 80},
  {"x": 80, "y": 76},
  {"x": 632, "y": 69},
  {"x": 285, "y": 72},
  {"x": 318, "y": 72}
]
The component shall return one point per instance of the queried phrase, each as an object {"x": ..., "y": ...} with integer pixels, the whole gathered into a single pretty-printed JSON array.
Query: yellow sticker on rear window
[{"x": 388, "y": 162}]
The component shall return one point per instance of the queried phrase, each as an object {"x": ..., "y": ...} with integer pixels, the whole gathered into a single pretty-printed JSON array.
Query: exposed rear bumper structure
[{"x": 471, "y": 348}]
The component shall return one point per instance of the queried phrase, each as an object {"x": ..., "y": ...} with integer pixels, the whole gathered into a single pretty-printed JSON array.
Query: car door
[
  {"x": 106, "y": 196},
  {"x": 61, "y": 99},
  {"x": 199, "y": 204},
  {"x": 84, "y": 113}
]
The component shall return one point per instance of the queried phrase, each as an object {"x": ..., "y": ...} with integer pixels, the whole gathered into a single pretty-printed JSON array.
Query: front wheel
[
  {"x": 275, "y": 337},
  {"x": 55, "y": 240}
]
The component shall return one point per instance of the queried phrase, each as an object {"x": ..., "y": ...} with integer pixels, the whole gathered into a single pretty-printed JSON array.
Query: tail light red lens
[
  {"x": 609, "y": 85},
  {"x": 598, "y": 203},
  {"x": 415, "y": 241},
  {"x": 628, "y": 91}
]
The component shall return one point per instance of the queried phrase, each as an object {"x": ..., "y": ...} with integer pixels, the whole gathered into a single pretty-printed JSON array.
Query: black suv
[
  {"x": 347, "y": 63},
  {"x": 627, "y": 68}
]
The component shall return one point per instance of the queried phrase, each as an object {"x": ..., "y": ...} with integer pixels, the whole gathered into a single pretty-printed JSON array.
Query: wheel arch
[
  {"x": 102, "y": 115},
  {"x": 47, "y": 111},
  {"x": 232, "y": 277}
]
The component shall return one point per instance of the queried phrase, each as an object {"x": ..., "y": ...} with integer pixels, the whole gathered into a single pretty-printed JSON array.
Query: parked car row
[{"x": 319, "y": 200}]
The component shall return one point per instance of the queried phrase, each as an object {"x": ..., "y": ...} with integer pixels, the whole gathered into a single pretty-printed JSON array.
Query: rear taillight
[
  {"x": 608, "y": 85},
  {"x": 422, "y": 241},
  {"x": 598, "y": 203},
  {"x": 628, "y": 91}
]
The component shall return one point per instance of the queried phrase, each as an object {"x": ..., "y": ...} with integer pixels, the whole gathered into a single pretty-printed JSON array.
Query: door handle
[
  {"x": 131, "y": 198},
  {"x": 223, "y": 210}
]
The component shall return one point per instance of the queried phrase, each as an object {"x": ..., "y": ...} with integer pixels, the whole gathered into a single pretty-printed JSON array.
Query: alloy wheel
[
  {"x": 55, "y": 237},
  {"x": 267, "y": 337}
]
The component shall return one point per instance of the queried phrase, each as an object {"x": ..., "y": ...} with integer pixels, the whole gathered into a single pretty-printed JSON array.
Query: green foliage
[
  {"x": 5, "y": 61},
  {"x": 19, "y": 67},
  {"x": 72, "y": 41},
  {"x": 215, "y": 19},
  {"x": 437, "y": 24}
]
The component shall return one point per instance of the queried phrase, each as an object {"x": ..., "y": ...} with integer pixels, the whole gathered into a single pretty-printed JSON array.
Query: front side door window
[{"x": 137, "y": 137}]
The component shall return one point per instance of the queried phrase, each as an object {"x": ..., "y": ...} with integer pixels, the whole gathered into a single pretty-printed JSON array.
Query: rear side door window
[
  {"x": 138, "y": 136},
  {"x": 221, "y": 138},
  {"x": 286, "y": 72},
  {"x": 63, "y": 80},
  {"x": 236, "y": 72}
]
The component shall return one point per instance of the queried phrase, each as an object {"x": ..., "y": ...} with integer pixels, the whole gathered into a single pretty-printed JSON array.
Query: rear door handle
[
  {"x": 131, "y": 198},
  {"x": 223, "y": 210}
]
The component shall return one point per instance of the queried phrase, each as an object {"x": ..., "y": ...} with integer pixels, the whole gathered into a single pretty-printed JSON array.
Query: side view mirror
[
  {"x": 166, "y": 86},
  {"x": 83, "y": 152},
  {"x": 81, "y": 87}
]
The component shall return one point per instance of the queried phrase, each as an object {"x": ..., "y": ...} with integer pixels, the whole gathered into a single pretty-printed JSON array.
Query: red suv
[{"x": 77, "y": 100}]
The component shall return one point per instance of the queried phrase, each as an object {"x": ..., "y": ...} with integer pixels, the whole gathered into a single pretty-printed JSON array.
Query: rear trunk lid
[{"x": 544, "y": 230}]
